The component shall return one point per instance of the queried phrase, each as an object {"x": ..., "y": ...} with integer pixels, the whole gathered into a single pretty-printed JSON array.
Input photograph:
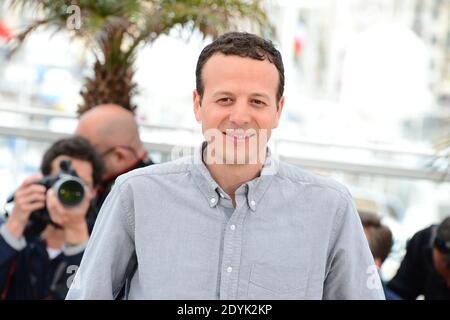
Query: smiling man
[{"x": 230, "y": 222}]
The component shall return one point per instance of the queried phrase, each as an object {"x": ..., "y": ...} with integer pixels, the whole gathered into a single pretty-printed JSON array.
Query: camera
[{"x": 69, "y": 190}]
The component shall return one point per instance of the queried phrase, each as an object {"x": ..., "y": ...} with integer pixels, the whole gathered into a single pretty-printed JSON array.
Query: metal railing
[{"x": 312, "y": 163}]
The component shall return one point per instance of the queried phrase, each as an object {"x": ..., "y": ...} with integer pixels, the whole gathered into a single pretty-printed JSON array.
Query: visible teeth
[{"x": 238, "y": 136}]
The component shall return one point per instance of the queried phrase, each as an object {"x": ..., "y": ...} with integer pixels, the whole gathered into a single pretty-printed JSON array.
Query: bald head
[{"x": 107, "y": 126}]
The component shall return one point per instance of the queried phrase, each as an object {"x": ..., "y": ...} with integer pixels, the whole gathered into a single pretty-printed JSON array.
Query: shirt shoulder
[
  {"x": 179, "y": 166},
  {"x": 298, "y": 175}
]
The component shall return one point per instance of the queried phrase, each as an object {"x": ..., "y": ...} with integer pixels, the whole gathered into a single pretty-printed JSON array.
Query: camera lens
[{"x": 70, "y": 193}]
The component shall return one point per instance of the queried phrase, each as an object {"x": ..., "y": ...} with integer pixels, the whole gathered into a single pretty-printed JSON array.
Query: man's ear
[
  {"x": 196, "y": 99},
  {"x": 121, "y": 153},
  {"x": 280, "y": 106}
]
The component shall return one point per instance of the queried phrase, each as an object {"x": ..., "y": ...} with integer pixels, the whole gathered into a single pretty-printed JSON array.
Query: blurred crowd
[{"x": 44, "y": 234}]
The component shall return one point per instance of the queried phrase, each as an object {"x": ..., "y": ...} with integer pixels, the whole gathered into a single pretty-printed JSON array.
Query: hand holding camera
[
  {"x": 28, "y": 198},
  {"x": 61, "y": 200}
]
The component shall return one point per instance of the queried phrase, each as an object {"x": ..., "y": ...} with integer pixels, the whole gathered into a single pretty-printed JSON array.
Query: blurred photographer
[
  {"x": 43, "y": 239},
  {"x": 380, "y": 240},
  {"x": 425, "y": 268}
]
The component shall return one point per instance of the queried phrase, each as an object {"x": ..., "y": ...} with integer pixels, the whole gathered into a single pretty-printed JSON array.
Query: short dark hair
[
  {"x": 443, "y": 230},
  {"x": 244, "y": 45},
  {"x": 75, "y": 147},
  {"x": 378, "y": 235},
  {"x": 442, "y": 240}
]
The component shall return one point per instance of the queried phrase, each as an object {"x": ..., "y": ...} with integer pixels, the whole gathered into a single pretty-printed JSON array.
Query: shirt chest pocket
[{"x": 277, "y": 282}]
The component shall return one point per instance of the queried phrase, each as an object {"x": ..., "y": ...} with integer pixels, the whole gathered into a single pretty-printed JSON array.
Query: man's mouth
[{"x": 239, "y": 135}]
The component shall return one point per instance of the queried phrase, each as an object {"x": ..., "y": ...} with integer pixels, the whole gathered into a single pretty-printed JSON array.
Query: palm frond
[{"x": 114, "y": 29}]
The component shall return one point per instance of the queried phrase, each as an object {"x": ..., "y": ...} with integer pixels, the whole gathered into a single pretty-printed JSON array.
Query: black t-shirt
[{"x": 417, "y": 275}]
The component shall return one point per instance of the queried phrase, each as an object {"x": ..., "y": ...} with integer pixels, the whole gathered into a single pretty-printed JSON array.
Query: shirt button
[
  {"x": 253, "y": 203},
  {"x": 229, "y": 269},
  {"x": 213, "y": 200},
  {"x": 232, "y": 227}
]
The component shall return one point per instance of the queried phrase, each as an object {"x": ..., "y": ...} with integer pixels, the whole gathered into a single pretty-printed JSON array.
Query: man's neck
[{"x": 231, "y": 177}]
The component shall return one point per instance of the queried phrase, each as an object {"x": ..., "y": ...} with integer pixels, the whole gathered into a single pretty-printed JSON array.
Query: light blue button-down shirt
[{"x": 292, "y": 235}]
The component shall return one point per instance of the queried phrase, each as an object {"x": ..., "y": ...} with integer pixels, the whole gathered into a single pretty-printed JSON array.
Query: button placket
[
  {"x": 226, "y": 267},
  {"x": 235, "y": 234},
  {"x": 237, "y": 251},
  {"x": 230, "y": 266}
]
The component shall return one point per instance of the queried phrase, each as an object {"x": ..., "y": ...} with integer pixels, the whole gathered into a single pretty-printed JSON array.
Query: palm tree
[{"x": 115, "y": 29}]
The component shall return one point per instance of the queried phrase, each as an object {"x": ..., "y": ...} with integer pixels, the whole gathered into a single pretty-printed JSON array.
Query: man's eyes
[
  {"x": 225, "y": 100},
  {"x": 258, "y": 103}
]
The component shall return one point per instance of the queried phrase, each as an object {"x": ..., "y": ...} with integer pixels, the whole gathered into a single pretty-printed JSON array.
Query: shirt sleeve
[
  {"x": 410, "y": 277},
  {"x": 351, "y": 271},
  {"x": 110, "y": 247}
]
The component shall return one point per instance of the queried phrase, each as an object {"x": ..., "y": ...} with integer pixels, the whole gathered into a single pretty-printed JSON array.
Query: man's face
[
  {"x": 82, "y": 167},
  {"x": 88, "y": 131},
  {"x": 441, "y": 266},
  {"x": 239, "y": 105},
  {"x": 116, "y": 157}
]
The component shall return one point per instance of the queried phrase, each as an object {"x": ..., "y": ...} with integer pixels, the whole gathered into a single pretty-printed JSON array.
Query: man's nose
[{"x": 240, "y": 114}]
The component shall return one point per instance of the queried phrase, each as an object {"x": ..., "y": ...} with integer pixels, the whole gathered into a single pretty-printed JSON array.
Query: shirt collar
[{"x": 253, "y": 190}]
